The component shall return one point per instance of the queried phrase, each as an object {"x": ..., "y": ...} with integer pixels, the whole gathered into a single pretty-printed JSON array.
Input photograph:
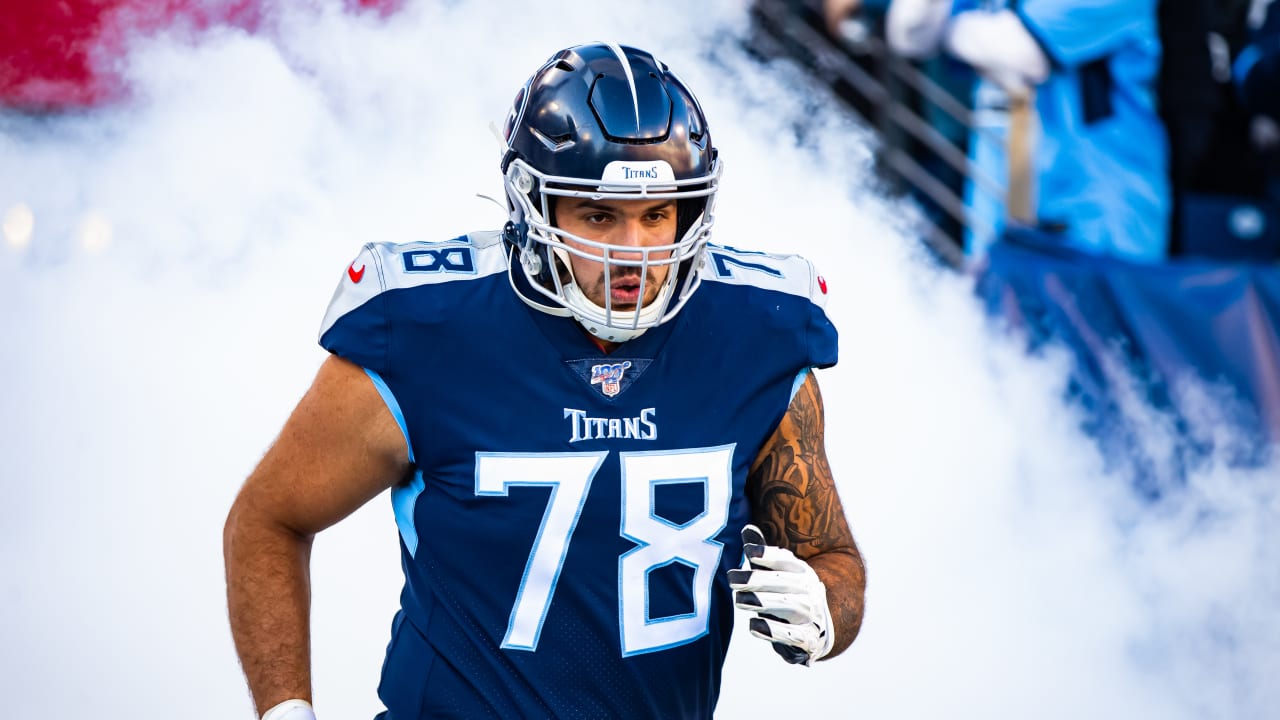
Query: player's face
[{"x": 622, "y": 224}]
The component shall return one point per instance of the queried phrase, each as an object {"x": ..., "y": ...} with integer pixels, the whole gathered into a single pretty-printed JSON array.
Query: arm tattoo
[{"x": 794, "y": 501}]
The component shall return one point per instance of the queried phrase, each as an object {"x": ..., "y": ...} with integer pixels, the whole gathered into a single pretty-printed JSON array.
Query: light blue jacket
[{"x": 1101, "y": 159}]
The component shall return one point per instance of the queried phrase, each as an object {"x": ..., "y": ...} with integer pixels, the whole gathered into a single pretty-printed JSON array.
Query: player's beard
[{"x": 624, "y": 280}]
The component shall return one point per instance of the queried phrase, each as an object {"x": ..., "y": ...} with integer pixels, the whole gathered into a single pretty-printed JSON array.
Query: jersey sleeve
[
  {"x": 821, "y": 337},
  {"x": 399, "y": 290},
  {"x": 356, "y": 326},
  {"x": 799, "y": 305}
]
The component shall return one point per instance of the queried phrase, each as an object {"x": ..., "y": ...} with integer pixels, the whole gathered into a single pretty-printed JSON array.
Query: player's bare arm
[
  {"x": 794, "y": 501},
  {"x": 339, "y": 449}
]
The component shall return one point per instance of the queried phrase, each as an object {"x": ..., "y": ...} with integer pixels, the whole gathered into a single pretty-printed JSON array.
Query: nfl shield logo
[{"x": 609, "y": 377}]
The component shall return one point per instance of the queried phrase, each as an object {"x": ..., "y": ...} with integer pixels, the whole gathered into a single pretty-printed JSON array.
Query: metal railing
[{"x": 788, "y": 24}]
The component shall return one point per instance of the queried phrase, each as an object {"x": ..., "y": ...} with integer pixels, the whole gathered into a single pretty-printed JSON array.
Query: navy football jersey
[{"x": 571, "y": 514}]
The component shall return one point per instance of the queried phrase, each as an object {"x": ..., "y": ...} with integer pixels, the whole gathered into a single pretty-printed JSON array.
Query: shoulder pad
[
  {"x": 791, "y": 274},
  {"x": 390, "y": 266}
]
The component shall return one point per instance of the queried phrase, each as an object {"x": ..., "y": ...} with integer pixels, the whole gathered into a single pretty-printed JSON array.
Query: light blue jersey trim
[
  {"x": 403, "y": 497},
  {"x": 392, "y": 405},
  {"x": 403, "y": 500},
  {"x": 795, "y": 386}
]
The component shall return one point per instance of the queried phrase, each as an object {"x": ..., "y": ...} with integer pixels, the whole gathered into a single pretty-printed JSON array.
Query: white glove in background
[
  {"x": 914, "y": 28},
  {"x": 999, "y": 46},
  {"x": 787, "y": 597}
]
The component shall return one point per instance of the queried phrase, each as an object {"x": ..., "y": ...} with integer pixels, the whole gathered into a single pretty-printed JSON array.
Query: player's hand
[{"x": 788, "y": 598}]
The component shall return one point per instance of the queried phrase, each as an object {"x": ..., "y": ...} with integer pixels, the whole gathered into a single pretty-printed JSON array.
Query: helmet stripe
[{"x": 631, "y": 80}]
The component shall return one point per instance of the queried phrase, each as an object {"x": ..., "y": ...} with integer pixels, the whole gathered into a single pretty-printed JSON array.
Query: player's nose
[{"x": 631, "y": 234}]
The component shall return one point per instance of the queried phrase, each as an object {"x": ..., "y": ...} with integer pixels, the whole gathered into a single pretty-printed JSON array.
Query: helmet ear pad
[
  {"x": 688, "y": 211},
  {"x": 551, "y": 261}
]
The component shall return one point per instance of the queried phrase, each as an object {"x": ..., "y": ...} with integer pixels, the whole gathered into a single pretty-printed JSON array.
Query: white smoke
[{"x": 160, "y": 322}]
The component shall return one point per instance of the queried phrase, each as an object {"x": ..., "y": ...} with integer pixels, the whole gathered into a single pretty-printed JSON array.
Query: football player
[{"x": 585, "y": 420}]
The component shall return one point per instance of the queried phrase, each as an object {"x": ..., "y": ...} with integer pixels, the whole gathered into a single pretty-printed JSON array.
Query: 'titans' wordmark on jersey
[{"x": 584, "y": 427}]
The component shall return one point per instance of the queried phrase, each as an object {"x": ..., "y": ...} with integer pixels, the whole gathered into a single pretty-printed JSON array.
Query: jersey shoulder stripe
[
  {"x": 791, "y": 274},
  {"x": 382, "y": 267}
]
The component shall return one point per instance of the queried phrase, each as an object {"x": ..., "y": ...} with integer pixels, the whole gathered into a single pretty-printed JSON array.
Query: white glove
[
  {"x": 914, "y": 28},
  {"x": 788, "y": 598},
  {"x": 290, "y": 710},
  {"x": 999, "y": 46}
]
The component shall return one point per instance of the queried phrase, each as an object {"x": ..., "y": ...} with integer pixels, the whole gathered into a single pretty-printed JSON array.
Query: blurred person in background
[
  {"x": 1256, "y": 78},
  {"x": 1190, "y": 97},
  {"x": 1228, "y": 196},
  {"x": 1256, "y": 71},
  {"x": 1099, "y": 161},
  {"x": 574, "y": 494}
]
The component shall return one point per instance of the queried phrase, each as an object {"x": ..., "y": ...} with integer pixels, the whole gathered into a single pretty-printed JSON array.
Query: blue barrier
[{"x": 1144, "y": 331}]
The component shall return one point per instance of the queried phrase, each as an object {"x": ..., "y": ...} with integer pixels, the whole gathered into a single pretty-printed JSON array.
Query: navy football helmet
[{"x": 605, "y": 121}]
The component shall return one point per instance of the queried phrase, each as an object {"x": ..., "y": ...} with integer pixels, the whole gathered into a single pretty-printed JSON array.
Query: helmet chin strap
[{"x": 573, "y": 295}]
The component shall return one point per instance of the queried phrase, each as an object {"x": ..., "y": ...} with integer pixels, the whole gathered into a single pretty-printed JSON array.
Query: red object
[
  {"x": 355, "y": 275},
  {"x": 66, "y": 54},
  {"x": 822, "y": 284}
]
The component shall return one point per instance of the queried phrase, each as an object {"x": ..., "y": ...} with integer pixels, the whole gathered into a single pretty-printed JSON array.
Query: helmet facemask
[{"x": 545, "y": 256}]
